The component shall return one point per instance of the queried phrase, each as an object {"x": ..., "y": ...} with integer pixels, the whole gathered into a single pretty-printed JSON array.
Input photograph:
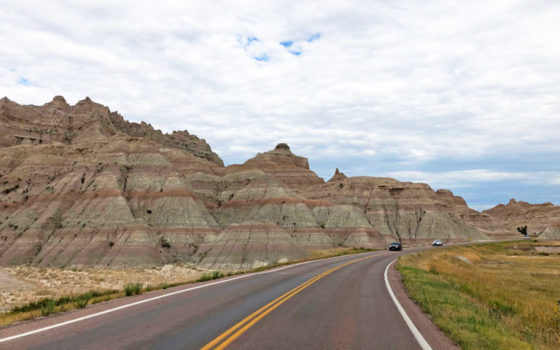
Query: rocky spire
[
  {"x": 338, "y": 176},
  {"x": 282, "y": 148},
  {"x": 58, "y": 102}
]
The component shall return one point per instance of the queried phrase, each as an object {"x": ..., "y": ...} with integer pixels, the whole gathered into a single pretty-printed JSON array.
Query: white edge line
[
  {"x": 419, "y": 338},
  {"x": 39, "y": 330}
]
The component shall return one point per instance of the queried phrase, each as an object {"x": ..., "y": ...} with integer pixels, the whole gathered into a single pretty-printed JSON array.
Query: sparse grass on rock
[{"x": 492, "y": 296}]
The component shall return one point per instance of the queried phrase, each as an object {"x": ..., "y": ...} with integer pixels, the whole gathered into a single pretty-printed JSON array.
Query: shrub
[
  {"x": 82, "y": 300},
  {"x": 210, "y": 276},
  {"x": 132, "y": 288},
  {"x": 47, "y": 307}
]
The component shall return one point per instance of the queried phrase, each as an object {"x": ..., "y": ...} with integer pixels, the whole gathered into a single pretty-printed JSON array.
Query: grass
[
  {"x": 47, "y": 306},
  {"x": 210, "y": 276},
  {"x": 132, "y": 289},
  {"x": 492, "y": 296}
]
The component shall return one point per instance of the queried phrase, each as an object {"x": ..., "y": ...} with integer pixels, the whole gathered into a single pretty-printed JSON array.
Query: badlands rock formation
[
  {"x": 86, "y": 122},
  {"x": 541, "y": 219},
  {"x": 79, "y": 185}
]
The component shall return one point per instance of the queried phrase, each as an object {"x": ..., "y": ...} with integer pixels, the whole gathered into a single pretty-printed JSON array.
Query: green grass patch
[
  {"x": 132, "y": 289},
  {"x": 457, "y": 314},
  {"x": 502, "y": 295},
  {"x": 214, "y": 275},
  {"x": 51, "y": 305}
]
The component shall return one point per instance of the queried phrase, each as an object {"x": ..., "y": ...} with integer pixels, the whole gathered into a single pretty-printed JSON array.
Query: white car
[{"x": 437, "y": 243}]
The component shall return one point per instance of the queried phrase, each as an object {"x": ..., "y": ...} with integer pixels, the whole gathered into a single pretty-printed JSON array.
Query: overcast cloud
[{"x": 463, "y": 95}]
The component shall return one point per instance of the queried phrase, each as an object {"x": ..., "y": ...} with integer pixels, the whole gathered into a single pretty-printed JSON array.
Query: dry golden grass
[{"x": 515, "y": 283}]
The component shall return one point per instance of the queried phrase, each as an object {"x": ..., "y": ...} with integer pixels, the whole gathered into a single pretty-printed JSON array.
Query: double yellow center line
[{"x": 226, "y": 338}]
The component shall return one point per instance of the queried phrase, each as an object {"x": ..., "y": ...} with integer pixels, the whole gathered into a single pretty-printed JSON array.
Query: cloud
[
  {"x": 314, "y": 37},
  {"x": 397, "y": 85},
  {"x": 263, "y": 58},
  {"x": 466, "y": 178}
]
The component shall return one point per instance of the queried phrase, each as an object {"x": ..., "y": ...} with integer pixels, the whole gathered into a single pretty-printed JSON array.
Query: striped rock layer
[
  {"x": 542, "y": 220},
  {"x": 79, "y": 185}
]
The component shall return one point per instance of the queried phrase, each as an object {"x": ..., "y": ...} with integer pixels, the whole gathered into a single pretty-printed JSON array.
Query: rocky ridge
[
  {"x": 84, "y": 123},
  {"x": 541, "y": 219},
  {"x": 79, "y": 185}
]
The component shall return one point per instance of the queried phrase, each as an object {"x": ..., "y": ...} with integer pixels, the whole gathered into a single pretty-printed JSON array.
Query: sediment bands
[{"x": 79, "y": 185}]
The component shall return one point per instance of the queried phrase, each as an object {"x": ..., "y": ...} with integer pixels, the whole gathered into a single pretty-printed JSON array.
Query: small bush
[
  {"x": 210, "y": 276},
  {"x": 82, "y": 300},
  {"x": 81, "y": 303},
  {"x": 132, "y": 288},
  {"x": 47, "y": 307}
]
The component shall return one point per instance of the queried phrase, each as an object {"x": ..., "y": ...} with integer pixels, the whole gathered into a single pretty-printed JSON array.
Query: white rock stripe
[
  {"x": 39, "y": 330},
  {"x": 419, "y": 338}
]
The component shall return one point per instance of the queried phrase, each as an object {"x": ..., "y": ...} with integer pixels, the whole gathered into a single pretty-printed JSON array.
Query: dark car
[
  {"x": 395, "y": 246},
  {"x": 437, "y": 243}
]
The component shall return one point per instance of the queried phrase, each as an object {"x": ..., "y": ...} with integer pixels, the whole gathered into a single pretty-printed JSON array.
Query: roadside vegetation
[
  {"x": 47, "y": 306},
  {"x": 492, "y": 296}
]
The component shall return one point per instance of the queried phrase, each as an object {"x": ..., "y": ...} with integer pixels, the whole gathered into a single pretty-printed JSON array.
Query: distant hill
[{"x": 542, "y": 219}]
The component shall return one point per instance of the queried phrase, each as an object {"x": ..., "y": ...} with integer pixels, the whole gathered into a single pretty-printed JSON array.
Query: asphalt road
[{"x": 339, "y": 303}]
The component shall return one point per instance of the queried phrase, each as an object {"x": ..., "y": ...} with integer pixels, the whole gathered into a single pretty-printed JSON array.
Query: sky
[{"x": 463, "y": 95}]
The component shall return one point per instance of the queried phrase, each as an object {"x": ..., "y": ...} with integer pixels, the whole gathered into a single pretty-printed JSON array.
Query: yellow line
[
  {"x": 242, "y": 326},
  {"x": 256, "y": 313}
]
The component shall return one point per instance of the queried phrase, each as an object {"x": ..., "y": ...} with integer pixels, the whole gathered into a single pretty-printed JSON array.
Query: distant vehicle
[
  {"x": 395, "y": 246},
  {"x": 437, "y": 243}
]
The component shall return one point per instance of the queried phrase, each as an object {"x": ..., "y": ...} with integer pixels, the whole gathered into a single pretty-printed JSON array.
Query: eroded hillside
[
  {"x": 541, "y": 219},
  {"x": 82, "y": 186}
]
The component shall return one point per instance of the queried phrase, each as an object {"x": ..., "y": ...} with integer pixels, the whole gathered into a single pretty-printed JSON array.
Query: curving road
[{"x": 338, "y": 303}]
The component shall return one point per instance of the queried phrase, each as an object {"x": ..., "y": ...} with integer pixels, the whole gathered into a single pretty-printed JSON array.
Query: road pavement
[{"x": 338, "y": 303}]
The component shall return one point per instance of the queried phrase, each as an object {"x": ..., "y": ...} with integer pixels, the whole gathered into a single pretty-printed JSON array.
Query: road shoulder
[{"x": 433, "y": 335}]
